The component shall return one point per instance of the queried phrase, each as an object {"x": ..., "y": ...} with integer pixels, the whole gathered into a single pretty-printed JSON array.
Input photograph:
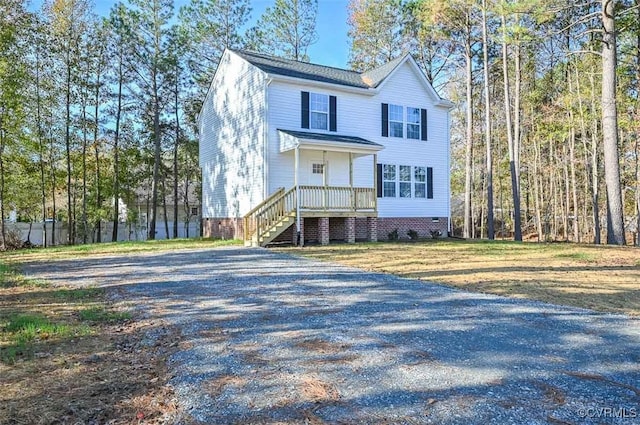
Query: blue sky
[{"x": 332, "y": 48}]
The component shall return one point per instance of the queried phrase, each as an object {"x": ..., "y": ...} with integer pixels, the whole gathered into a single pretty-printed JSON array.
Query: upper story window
[
  {"x": 413, "y": 123},
  {"x": 319, "y": 111},
  {"x": 394, "y": 121}
]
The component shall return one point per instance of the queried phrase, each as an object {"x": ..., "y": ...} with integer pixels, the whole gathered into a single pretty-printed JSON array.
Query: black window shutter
[
  {"x": 333, "y": 118},
  {"x": 305, "y": 109},
  {"x": 385, "y": 120},
  {"x": 423, "y": 124},
  {"x": 429, "y": 183},
  {"x": 379, "y": 180}
]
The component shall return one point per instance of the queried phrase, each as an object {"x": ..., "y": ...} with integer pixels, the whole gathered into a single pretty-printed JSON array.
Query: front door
[{"x": 317, "y": 173}]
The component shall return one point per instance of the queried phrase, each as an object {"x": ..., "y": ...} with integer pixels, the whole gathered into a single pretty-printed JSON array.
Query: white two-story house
[{"x": 300, "y": 152}]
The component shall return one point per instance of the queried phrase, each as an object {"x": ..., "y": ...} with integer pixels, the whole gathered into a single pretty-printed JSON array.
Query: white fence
[{"x": 125, "y": 232}]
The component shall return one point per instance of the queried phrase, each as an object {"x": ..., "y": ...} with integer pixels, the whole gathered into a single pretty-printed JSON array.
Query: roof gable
[{"x": 410, "y": 61}]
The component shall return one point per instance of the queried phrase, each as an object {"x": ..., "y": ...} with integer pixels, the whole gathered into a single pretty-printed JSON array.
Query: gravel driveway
[{"x": 273, "y": 338}]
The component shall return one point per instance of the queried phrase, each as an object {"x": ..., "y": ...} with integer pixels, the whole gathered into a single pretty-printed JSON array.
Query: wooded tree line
[
  {"x": 545, "y": 135},
  {"x": 96, "y": 109}
]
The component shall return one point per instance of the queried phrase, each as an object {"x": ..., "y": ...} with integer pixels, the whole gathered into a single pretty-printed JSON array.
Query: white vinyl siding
[{"x": 231, "y": 129}]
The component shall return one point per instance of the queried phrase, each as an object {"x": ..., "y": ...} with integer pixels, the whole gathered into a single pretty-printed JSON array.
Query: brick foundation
[
  {"x": 310, "y": 230},
  {"x": 222, "y": 228},
  {"x": 361, "y": 229},
  {"x": 323, "y": 230},
  {"x": 423, "y": 225},
  {"x": 350, "y": 229},
  {"x": 372, "y": 229},
  {"x": 337, "y": 228}
]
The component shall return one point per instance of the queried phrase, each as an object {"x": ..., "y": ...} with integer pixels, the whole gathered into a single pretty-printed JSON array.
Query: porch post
[
  {"x": 375, "y": 182},
  {"x": 324, "y": 179},
  {"x": 296, "y": 178},
  {"x": 354, "y": 204}
]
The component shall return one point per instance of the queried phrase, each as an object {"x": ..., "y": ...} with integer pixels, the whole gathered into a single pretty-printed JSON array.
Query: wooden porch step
[{"x": 277, "y": 229}]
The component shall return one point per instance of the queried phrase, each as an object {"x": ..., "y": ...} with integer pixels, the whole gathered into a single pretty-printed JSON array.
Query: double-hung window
[
  {"x": 420, "y": 182},
  {"x": 413, "y": 123},
  {"x": 318, "y": 111},
  {"x": 396, "y": 120},
  {"x": 405, "y": 181},
  {"x": 388, "y": 181}
]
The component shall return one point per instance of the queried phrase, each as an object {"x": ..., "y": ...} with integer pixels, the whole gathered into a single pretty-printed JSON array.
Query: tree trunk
[
  {"x": 175, "y": 163},
  {"x": 615, "y": 235},
  {"x": 96, "y": 148},
  {"x": 574, "y": 190},
  {"x": 164, "y": 207},
  {"x": 517, "y": 225},
  {"x": 116, "y": 152},
  {"x": 53, "y": 191},
  {"x": 487, "y": 123},
  {"x": 43, "y": 187},
  {"x": 85, "y": 230},
  {"x": 517, "y": 137},
  {"x": 3, "y": 232},
  {"x": 67, "y": 140},
  {"x": 467, "y": 232},
  {"x": 156, "y": 160},
  {"x": 595, "y": 189}
]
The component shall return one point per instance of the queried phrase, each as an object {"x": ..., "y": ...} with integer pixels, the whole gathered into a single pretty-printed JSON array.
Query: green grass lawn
[
  {"x": 605, "y": 278},
  {"x": 111, "y": 248}
]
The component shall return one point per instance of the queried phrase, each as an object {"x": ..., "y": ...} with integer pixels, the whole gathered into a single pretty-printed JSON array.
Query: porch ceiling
[{"x": 290, "y": 139}]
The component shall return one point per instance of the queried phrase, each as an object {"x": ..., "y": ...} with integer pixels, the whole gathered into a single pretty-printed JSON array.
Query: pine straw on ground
[
  {"x": 604, "y": 278},
  {"x": 111, "y": 375}
]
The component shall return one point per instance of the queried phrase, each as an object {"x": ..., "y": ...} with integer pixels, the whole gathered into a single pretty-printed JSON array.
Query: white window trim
[
  {"x": 409, "y": 182},
  {"x": 395, "y": 181},
  {"x": 405, "y": 122},
  {"x": 320, "y": 166},
  {"x": 316, "y": 111},
  {"x": 412, "y": 182},
  {"x": 419, "y": 123},
  {"x": 415, "y": 182},
  {"x": 395, "y": 121}
]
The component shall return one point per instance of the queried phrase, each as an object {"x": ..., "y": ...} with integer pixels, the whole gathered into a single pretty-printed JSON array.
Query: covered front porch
[{"x": 327, "y": 187}]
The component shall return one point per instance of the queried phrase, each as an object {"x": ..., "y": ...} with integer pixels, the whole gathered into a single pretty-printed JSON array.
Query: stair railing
[{"x": 269, "y": 213}]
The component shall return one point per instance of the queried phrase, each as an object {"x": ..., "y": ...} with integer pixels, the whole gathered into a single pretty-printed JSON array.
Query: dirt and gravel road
[{"x": 272, "y": 338}]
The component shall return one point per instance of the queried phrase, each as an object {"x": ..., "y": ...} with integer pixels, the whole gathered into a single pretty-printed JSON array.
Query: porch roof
[{"x": 290, "y": 139}]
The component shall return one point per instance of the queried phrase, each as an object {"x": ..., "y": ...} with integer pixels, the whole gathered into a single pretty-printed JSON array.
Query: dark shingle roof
[
  {"x": 314, "y": 72},
  {"x": 375, "y": 76},
  {"x": 329, "y": 137}
]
